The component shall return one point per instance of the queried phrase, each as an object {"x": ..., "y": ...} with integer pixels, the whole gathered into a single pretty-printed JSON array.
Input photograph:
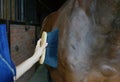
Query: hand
[{"x": 39, "y": 49}]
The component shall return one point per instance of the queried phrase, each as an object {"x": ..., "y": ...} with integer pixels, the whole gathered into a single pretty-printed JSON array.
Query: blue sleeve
[{"x": 4, "y": 47}]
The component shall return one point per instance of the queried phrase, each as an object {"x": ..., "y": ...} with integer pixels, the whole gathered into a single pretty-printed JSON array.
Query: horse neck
[{"x": 79, "y": 28}]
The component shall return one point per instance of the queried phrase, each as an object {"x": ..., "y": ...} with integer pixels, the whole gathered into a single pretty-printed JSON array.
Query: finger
[
  {"x": 38, "y": 42},
  {"x": 40, "y": 39},
  {"x": 44, "y": 45}
]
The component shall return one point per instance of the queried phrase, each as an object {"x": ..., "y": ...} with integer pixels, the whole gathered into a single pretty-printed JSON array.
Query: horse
[{"x": 89, "y": 42}]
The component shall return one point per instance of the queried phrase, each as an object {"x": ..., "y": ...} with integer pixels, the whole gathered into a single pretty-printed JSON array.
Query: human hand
[{"x": 39, "y": 49}]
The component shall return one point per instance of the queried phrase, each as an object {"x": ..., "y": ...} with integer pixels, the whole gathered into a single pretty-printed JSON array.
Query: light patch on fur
[
  {"x": 96, "y": 76},
  {"x": 108, "y": 70}
]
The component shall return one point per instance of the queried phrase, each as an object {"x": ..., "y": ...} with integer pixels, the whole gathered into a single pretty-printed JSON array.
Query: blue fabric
[
  {"x": 7, "y": 68},
  {"x": 51, "y": 57}
]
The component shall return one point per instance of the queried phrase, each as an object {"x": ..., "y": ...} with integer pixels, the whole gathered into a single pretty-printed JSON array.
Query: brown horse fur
[{"x": 89, "y": 41}]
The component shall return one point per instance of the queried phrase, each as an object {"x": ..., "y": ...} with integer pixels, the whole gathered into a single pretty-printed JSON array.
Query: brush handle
[{"x": 43, "y": 41}]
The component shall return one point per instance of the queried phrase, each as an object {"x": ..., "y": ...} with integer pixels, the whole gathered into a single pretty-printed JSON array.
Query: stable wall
[{"x": 22, "y": 45}]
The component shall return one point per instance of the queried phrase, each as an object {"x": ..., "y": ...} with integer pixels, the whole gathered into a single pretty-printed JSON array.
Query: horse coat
[{"x": 89, "y": 43}]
